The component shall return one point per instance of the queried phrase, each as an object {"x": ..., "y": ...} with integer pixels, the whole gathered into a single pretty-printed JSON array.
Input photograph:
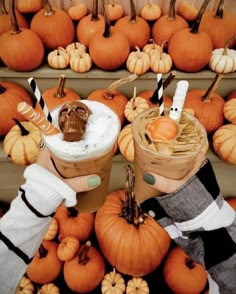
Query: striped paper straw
[
  {"x": 160, "y": 94},
  {"x": 39, "y": 98}
]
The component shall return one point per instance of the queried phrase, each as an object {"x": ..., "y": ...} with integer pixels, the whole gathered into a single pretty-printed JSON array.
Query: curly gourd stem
[
  {"x": 171, "y": 12},
  {"x": 47, "y": 8},
  {"x": 94, "y": 15},
  {"x": 225, "y": 51},
  {"x": 220, "y": 10},
  {"x": 133, "y": 14},
  {"x": 196, "y": 24},
  {"x": 12, "y": 13},
  {"x": 83, "y": 257},
  {"x": 118, "y": 83},
  {"x": 107, "y": 31},
  {"x": 207, "y": 96},
  {"x": 23, "y": 130},
  {"x": 3, "y": 10},
  {"x": 60, "y": 93}
]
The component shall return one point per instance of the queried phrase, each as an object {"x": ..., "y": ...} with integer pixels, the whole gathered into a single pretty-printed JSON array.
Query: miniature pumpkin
[
  {"x": 58, "y": 95},
  {"x": 224, "y": 143},
  {"x": 113, "y": 98},
  {"x": 75, "y": 47},
  {"x": 45, "y": 265},
  {"x": 223, "y": 60},
  {"x": 89, "y": 25},
  {"x": 134, "y": 106},
  {"x": 136, "y": 28},
  {"x": 187, "y": 10},
  {"x": 161, "y": 62},
  {"x": 115, "y": 11},
  {"x": 11, "y": 94},
  {"x": 58, "y": 58},
  {"x": 80, "y": 62},
  {"x": 229, "y": 110},
  {"x": 49, "y": 288},
  {"x": 182, "y": 274},
  {"x": 150, "y": 11},
  {"x": 88, "y": 265},
  {"x": 25, "y": 286},
  {"x": 191, "y": 49},
  {"x": 68, "y": 248},
  {"x": 52, "y": 230},
  {"x": 152, "y": 48},
  {"x": 21, "y": 49},
  {"x": 109, "y": 48},
  {"x": 21, "y": 144},
  {"x": 77, "y": 11},
  {"x": 113, "y": 283},
  {"x": 28, "y": 6},
  {"x": 74, "y": 223},
  {"x": 207, "y": 105},
  {"x": 126, "y": 143},
  {"x": 131, "y": 241},
  {"x": 138, "y": 62},
  {"x": 54, "y": 26},
  {"x": 137, "y": 286},
  {"x": 167, "y": 25}
]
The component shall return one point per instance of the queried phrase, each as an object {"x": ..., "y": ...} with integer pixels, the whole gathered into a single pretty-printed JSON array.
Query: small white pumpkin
[
  {"x": 161, "y": 62},
  {"x": 137, "y": 286},
  {"x": 126, "y": 143},
  {"x": 138, "y": 62},
  {"x": 75, "y": 47},
  {"x": 80, "y": 62},
  {"x": 58, "y": 58},
  {"x": 113, "y": 283},
  {"x": 229, "y": 110}
]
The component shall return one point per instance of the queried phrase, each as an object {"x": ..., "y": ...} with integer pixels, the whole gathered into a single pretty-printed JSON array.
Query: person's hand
[
  {"x": 166, "y": 185},
  {"x": 78, "y": 184}
]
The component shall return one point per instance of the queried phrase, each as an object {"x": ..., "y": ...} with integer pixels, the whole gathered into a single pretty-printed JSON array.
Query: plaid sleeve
[{"x": 198, "y": 219}]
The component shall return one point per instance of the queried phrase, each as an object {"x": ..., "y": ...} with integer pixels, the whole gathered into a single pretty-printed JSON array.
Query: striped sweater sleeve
[
  {"x": 201, "y": 222},
  {"x": 23, "y": 227}
]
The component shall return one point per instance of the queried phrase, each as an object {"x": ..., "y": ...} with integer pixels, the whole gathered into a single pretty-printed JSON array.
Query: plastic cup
[
  {"x": 172, "y": 166},
  {"x": 81, "y": 162}
]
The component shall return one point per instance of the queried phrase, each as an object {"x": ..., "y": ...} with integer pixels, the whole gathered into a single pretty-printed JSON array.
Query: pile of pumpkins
[{"x": 185, "y": 38}]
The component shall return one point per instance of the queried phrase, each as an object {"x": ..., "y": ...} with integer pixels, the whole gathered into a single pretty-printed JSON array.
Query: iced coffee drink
[
  {"x": 97, "y": 128},
  {"x": 171, "y": 157}
]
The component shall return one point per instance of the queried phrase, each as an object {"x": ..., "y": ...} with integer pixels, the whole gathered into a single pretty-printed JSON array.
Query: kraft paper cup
[{"x": 146, "y": 159}]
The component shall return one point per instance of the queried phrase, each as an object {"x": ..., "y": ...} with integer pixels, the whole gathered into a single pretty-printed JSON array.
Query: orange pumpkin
[
  {"x": 115, "y": 11},
  {"x": 88, "y": 265},
  {"x": 58, "y": 95},
  {"x": 207, "y": 106},
  {"x": 74, "y": 223},
  {"x": 28, "y": 6},
  {"x": 134, "y": 27},
  {"x": 21, "y": 49},
  {"x": 167, "y": 25},
  {"x": 187, "y": 10},
  {"x": 68, "y": 248},
  {"x": 89, "y": 25},
  {"x": 11, "y": 94},
  {"x": 45, "y": 265},
  {"x": 113, "y": 98},
  {"x": 182, "y": 274},
  {"x": 191, "y": 49},
  {"x": 131, "y": 241},
  {"x": 54, "y": 26}
]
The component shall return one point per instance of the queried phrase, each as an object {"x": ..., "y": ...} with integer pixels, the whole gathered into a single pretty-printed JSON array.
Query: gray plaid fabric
[{"x": 203, "y": 224}]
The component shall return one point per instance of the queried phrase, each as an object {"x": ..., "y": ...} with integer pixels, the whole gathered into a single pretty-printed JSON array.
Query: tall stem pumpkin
[
  {"x": 132, "y": 241},
  {"x": 190, "y": 49}
]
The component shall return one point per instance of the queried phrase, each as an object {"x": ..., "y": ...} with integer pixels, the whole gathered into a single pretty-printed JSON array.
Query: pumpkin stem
[
  {"x": 171, "y": 12},
  {"x": 42, "y": 251},
  {"x": 94, "y": 15},
  {"x": 190, "y": 263},
  {"x": 23, "y": 130},
  {"x": 3, "y": 10},
  {"x": 195, "y": 26},
  {"x": 72, "y": 212},
  {"x": 118, "y": 83},
  {"x": 60, "y": 87},
  {"x": 207, "y": 96},
  {"x": 83, "y": 257},
  {"x": 107, "y": 31},
  {"x": 48, "y": 11},
  {"x": 133, "y": 14},
  {"x": 131, "y": 211},
  {"x": 133, "y": 98},
  {"x": 12, "y": 14},
  {"x": 228, "y": 41},
  {"x": 220, "y": 10}
]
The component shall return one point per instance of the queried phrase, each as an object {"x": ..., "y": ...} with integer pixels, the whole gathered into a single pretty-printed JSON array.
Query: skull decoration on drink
[{"x": 72, "y": 119}]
